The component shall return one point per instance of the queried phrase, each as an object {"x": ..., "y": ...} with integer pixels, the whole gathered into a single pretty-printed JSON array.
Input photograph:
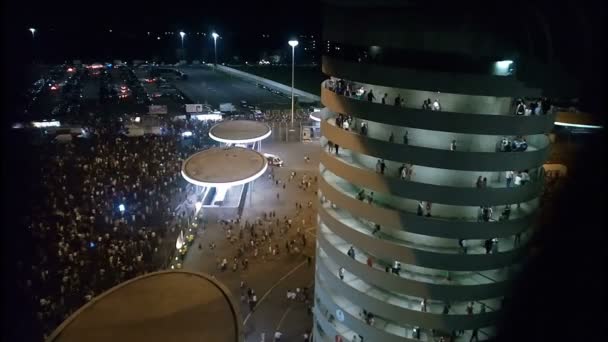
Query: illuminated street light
[
  {"x": 293, "y": 44},
  {"x": 215, "y": 35},
  {"x": 182, "y": 34},
  {"x": 33, "y": 30},
  {"x": 121, "y": 208}
]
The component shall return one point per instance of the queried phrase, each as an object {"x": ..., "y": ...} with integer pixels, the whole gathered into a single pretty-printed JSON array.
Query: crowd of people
[
  {"x": 104, "y": 214},
  {"x": 540, "y": 106}
]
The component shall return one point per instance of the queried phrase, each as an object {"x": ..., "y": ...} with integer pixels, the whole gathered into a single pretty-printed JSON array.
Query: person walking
[
  {"x": 479, "y": 183},
  {"x": 420, "y": 210},
  {"x": 428, "y": 208},
  {"x": 370, "y": 96},
  {"x": 370, "y": 263},
  {"x": 384, "y": 98},
  {"x": 509, "y": 178},
  {"x": 463, "y": 245},
  {"x": 423, "y": 305},
  {"x": 525, "y": 177},
  {"x": 351, "y": 252},
  {"x": 398, "y": 100},
  {"x": 488, "y": 245},
  {"x": 378, "y": 163},
  {"x": 453, "y": 145},
  {"x": 517, "y": 239},
  {"x": 517, "y": 181},
  {"x": 406, "y": 139},
  {"x": 426, "y": 105},
  {"x": 436, "y": 105},
  {"x": 341, "y": 273},
  {"x": 484, "y": 183},
  {"x": 401, "y": 171},
  {"x": 474, "y": 335},
  {"x": 391, "y": 138},
  {"x": 382, "y": 166},
  {"x": 376, "y": 229},
  {"x": 470, "y": 308}
]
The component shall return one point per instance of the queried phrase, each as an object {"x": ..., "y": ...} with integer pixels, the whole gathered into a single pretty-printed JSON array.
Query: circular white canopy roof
[
  {"x": 224, "y": 166},
  {"x": 239, "y": 131},
  {"x": 157, "y": 307}
]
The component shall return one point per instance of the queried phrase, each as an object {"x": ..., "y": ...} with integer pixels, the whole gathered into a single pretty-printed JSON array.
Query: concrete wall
[{"x": 458, "y": 83}]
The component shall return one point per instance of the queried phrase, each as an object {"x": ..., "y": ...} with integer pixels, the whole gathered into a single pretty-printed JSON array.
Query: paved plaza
[{"x": 270, "y": 276}]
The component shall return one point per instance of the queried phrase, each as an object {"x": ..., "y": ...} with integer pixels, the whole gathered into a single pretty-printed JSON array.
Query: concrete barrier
[{"x": 270, "y": 83}]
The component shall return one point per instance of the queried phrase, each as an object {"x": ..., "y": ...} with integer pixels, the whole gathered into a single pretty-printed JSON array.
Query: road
[{"x": 205, "y": 84}]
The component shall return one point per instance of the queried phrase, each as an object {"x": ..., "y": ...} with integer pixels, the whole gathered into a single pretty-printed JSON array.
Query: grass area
[{"x": 307, "y": 78}]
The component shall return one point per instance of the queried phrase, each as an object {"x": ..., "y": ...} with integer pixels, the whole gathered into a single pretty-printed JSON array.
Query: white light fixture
[
  {"x": 241, "y": 141},
  {"x": 215, "y": 36},
  {"x": 182, "y": 34},
  {"x": 564, "y": 124},
  {"x": 293, "y": 43},
  {"x": 504, "y": 64},
  {"x": 33, "y": 30},
  {"x": 121, "y": 207}
]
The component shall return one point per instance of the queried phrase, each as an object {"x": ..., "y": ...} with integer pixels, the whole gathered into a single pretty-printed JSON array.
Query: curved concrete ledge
[
  {"x": 488, "y": 124},
  {"x": 457, "y": 83},
  {"x": 330, "y": 331},
  {"x": 443, "y": 159},
  {"x": 396, "y": 284},
  {"x": 401, "y": 315},
  {"x": 369, "y": 332},
  {"x": 431, "y": 226},
  {"x": 430, "y": 192},
  {"x": 387, "y": 250},
  {"x": 372, "y": 333}
]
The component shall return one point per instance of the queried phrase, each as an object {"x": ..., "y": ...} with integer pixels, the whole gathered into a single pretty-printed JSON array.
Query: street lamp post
[
  {"x": 33, "y": 31},
  {"x": 215, "y": 35},
  {"x": 182, "y": 34},
  {"x": 293, "y": 44}
]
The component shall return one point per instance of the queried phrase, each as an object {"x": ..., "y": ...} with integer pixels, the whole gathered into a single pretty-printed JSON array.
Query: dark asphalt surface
[{"x": 204, "y": 84}]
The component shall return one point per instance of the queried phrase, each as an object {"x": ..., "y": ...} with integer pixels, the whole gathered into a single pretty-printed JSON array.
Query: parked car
[{"x": 273, "y": 160}]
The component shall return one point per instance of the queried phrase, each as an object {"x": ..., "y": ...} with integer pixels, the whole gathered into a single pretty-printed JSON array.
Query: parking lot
[
  {"x": 77, "y": 94},
  {"x": 206, "y": 85}
]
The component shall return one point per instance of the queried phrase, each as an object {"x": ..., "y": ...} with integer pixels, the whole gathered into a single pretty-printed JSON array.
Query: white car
[{"x": 273, "y": 160}]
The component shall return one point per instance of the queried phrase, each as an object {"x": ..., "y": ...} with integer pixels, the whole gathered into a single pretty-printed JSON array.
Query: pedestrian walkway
[
  {"x": 411, "y": 142},
  {"x": 420, "y": 174},
  {"x": 380, "y": 323},
  {"x": 445, "y": 246},
  {"x": 329, "y": 268},
  {"x": 410, "y": 205},
  {"x": 432, "y": 276}
]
